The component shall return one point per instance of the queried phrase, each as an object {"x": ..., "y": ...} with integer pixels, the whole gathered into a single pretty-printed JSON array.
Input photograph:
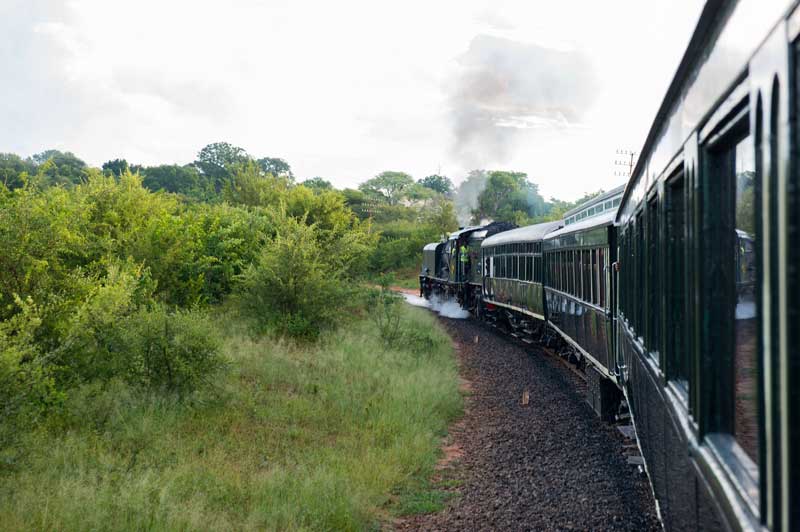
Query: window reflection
[{"x": 746, "y": 315}]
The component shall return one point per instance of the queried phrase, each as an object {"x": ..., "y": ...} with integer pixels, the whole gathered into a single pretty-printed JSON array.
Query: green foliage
[
  {"x": 276, "y": 167},
  {"x": 173, "y": 350},
  {"x": 196, "y": 256},
  {"x": 292, "y": 437},
  {"x": 250, "y": 185},
  {"x": 317, "y": 184},
  {"x": 105, "y": 280},
  {"x": 745, "y": 205},
  {"x": 358, "y": 202},
  {"x": 43, "y": 238},
  {"x": 215, "y": 159},
  {"x": 59, "y": 168},
  {"x": 509, "y": 197},
  {"x": 437, "y": 183},
  {"x": 385, "y": 312},
  {"x": 293, "y": 286},
  {"x": 27, "y": 384},
  {"x": 14, "y": 171},
  {"x": 185, "y": 180},
  {"x": 117, "y": 167},
  {"x": 388, "y": 186}
]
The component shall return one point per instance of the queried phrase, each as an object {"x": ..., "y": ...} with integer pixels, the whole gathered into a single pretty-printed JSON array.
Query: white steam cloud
[{"x": 505, "y": 89}]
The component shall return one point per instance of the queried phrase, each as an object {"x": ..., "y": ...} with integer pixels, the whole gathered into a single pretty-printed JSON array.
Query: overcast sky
[{"x": 346, "y": 89}]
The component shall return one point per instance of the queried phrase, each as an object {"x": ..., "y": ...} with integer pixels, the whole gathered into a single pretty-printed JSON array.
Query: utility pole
[{"x": 627, "y": 158}]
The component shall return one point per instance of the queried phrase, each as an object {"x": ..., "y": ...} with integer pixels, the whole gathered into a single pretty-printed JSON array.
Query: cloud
[{"x": 504, "y": 87}]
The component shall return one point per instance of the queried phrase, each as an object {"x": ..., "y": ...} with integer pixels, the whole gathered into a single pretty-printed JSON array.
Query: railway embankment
[{"x": 529, "y": 453}]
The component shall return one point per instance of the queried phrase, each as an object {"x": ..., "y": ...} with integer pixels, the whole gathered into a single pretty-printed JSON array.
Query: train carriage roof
[
  {"x": 584, "y": 225},
  {"x": 432, "y": 246},
  {"x": 726, "y": 36},
  {"x": 529, "y": 233}
]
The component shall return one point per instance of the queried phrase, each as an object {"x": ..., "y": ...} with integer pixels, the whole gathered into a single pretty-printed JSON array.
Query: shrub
[
  {"x": 385, "y": 311},
  {"x": 117, "y": 332},
  {"x": 27, "y": 387},
  {"x": 177, "y": 351},
  {"x": 92, "y": 341},
  {"x": 293, "y": 287}
]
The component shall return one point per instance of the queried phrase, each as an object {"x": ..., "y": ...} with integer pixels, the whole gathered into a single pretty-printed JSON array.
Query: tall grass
[{"x": 292, "y": 437}]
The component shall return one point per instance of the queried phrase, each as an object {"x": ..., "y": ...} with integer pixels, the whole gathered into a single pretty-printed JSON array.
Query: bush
[
  {"x": 27, "y": 386},
  {"x": 176, "y": 351},
  {"x": 118, "y": 332},
  {"x": 293, "y": 287},
  {"x": 384, "y": 311}
]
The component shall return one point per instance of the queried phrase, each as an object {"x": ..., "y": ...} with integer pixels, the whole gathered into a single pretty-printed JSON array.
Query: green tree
[
  {"x": 388, "y": 186},
  {"x": 215, "y": 160},
  {"x": 115, "y": 167},
  {"x": 177, "y": 179},
  {"x": 252, "y": 186},
  {"x": 510, "y": 197},
  {"x": 60, "y": 168},
  {"x": 317, "y": 184},
  {"x": 441, "y": 216},
  {"x": 14, "y": 171},
  {"x": 419, "y": 193},
  {"x": 439, "y": 183},
  {"x": 276, "y": 166}
]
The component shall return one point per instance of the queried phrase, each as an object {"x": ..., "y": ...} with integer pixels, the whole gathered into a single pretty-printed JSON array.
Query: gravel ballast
[{"x": 550, "y": 464}]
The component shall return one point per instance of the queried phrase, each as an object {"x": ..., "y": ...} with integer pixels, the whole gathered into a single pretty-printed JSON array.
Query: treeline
[{"x": 405, "y": 213}]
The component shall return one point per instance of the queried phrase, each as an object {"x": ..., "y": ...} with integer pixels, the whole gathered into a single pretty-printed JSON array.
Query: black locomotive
[{"x": 680, "y": 296}]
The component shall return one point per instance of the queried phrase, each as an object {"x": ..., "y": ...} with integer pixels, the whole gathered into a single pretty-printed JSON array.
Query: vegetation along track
[{"x": 549, "y": 464}]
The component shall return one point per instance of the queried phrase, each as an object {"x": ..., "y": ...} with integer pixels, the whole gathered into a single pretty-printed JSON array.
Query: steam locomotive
[{"x": 679, "y": 295}]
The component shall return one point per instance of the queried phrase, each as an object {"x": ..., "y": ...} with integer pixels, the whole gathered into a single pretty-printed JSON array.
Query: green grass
[
  {"x": 341, "y": 436},
  {"x": 404, "y": 278}
]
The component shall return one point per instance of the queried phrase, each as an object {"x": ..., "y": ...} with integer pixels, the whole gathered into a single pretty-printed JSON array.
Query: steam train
[{"x": 680, "y": 295}]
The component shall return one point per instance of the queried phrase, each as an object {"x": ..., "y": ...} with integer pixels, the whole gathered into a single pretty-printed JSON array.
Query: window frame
[{"x": 717, "y": 345}]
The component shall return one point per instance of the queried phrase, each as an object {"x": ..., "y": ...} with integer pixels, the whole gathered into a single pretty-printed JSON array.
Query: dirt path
[{"x": 549, "y": 464}]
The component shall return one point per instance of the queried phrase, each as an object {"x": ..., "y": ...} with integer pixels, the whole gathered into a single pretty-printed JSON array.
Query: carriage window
[
  {"x": 595, "y": 279},
  {"x": 576, "y": 273},
  {"x": 653, "y": 280},
  {"x": 746, "y": 346},
  {"x": 676, "y": 285},
  {"x": 731, "y": 297},
  {"x": 639, "y": 293},
  {"x": 555, "y": 278},
  {"x": 587, "y": 276},
  {"x": 555, "y": 272},
  {"x": 601, "y": 266},
  {"x": 571, "y": 272}
]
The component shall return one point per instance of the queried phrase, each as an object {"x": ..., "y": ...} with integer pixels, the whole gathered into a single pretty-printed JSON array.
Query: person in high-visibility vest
[{"x": 464, "y": 259}]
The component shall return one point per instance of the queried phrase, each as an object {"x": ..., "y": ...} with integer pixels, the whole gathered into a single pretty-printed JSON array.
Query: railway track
[{"x": 534, "y": 455}]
